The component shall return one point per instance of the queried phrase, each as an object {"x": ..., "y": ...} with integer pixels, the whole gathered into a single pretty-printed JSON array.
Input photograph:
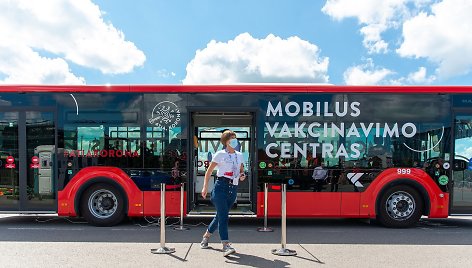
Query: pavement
[{"x": 40, "y": 241}]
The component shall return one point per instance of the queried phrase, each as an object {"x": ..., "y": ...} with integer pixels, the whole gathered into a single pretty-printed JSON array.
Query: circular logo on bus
[
  {"x": 443, "y": 180},
  {"x": 446, "y": 165},
  {"x": 165, "y": 115},
  {"x": 10, "y": 159}
]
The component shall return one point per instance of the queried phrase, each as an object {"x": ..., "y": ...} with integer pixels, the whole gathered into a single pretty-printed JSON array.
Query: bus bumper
[
  {"x": 439, "y": 206},
  {"x": 65, "y": 207}
]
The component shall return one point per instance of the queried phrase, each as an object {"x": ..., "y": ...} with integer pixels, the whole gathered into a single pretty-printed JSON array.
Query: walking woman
[{"x": 230, "y": 164}]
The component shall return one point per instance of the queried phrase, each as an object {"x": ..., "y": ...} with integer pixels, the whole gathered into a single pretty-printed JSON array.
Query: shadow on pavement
[{"x": 255, "y": 261}]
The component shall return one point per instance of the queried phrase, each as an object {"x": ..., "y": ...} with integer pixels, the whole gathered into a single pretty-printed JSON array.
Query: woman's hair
[{"x": 226, "y": 136}]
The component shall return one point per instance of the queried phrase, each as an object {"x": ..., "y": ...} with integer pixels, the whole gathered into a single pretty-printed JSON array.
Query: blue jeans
[{"x": 223, "y": 197}]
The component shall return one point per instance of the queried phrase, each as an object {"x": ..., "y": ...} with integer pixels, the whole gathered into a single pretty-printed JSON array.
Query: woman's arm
[
  {"x": 242, "y": 175},
  {"x": 207, "y": 178}
]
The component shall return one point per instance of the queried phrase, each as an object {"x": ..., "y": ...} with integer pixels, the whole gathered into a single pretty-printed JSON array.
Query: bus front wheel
[
  {"x": 102, "y": 205},
  {"x": 400, "y": 206}
]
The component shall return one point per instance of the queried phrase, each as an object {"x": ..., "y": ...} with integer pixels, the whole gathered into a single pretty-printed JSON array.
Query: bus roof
[{"x": 237, "y": 88}]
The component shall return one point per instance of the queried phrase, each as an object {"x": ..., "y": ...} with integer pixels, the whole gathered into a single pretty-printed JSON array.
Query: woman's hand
[
  {"x": 242, "y": 177},
  {"x": 208, "y": 174},
  {"x": 204, "y": 191}
]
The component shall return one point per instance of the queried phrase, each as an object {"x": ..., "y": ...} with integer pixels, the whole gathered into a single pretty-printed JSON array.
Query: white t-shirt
[{"x": 229, "y": 165}]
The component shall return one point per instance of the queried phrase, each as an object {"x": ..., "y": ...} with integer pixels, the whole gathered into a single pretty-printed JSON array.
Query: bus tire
[
  {"x": 400, "y": 207},
  {"x": 102, "y": 205}
]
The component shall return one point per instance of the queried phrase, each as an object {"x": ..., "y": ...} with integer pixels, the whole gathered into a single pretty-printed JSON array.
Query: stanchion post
[
  {"x": 283, "y": 240},
  {"x": 163, "y": 249},
  {"x": 181, "y": 225},
  {"x": 266, "y": 193}
]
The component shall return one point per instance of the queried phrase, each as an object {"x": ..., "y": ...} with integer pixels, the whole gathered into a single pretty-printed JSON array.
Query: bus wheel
[
  {"x": 102, "y": 205},
  {"x": 401, "y": 206}
]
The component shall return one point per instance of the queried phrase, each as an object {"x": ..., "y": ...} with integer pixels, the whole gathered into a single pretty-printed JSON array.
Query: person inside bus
[
  {"x": 335, "y": 175},
  {"x": 230, "y": 170},
  {"x": 320, "y": 174}
]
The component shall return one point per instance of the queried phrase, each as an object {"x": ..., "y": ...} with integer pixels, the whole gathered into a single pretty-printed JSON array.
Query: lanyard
[{"x": 234, "y": 168}]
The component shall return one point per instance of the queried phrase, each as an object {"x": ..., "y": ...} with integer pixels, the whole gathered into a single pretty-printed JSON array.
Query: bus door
[
  {"x": 207, "y": 129},
  {"x": 462, "y": 167},
  {"x": 27, "y": 156}
]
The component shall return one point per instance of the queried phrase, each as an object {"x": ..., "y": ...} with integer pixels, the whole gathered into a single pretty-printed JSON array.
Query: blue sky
[{"x": 402, "y": 42}]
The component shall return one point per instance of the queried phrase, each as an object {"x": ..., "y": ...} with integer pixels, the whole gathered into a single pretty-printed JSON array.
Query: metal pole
[
  {"x": 163, "y": 215},
  {"x": 181, "y": 226},
  {"x": 283, "y": 240},
  {"x": 266, "y": 193},
  {"x": 163, "y": 249}
]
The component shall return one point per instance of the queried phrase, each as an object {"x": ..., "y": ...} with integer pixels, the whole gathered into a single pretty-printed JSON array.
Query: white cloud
[
  {"x": 164, "y": 73},
  {"x": 438, "y": 30},
  {"x": 370, "y": 74},
  {"x": 249, "y": 60},
  {"x": 442, "y": 37},
  {"x": 420, "y": 77},
  {"x": 366, "y": 11},
  {"x": 59, "y": 31},
  {"x": 372, "y": 39},
  {"x": 20, "y": 64},
  {"x": 375, "y": 17},
  {"x": 367, "y": 74}
]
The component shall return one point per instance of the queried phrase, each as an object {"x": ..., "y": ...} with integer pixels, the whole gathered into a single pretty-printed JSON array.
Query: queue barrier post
[
  {"x": 163, "y": 249},
  {"x": 266, "y": 193},
  {"x": 283, "y": 251},
  {"x": 181, "y": 225}
]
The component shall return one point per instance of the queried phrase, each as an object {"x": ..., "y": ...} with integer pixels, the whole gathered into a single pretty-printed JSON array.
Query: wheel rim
[
  {"x": 400, "y": 205},
  {"x": 102, "y": 204}
]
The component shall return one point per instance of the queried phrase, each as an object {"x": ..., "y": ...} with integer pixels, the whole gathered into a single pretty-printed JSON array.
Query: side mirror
[{"x": 460, "y": 165}]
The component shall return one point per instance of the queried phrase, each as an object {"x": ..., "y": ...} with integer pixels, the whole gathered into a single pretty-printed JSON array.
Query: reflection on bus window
[
  {"x": 380, "y": 149},
  {"x": 102, "y": 145},
  {"x": 208, "y": 143},
  {"x": 163, "y": 147}
]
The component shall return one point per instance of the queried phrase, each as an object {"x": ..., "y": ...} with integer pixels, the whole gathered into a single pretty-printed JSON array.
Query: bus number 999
[{"x": 403, "y": 171}]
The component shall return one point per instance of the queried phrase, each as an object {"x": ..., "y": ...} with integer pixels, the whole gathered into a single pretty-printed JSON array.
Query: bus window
[
  {"x": 163, "y": 148},
  {"x": 103, "y": 145},
  {"x": 288, "y": 161},
  {"x": 102, "y": 130}
]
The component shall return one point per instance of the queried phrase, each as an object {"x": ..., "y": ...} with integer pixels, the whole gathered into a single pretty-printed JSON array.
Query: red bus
[{"x": 392, "y": 153}]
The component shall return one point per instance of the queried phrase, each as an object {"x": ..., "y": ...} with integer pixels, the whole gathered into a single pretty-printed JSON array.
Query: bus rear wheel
[
  {"x": 102, "y": 205},
  {"x": 400, "y": 207}
]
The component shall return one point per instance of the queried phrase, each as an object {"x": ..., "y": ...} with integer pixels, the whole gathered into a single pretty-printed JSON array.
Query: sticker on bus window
[
  {"x": 443, "y": 180},
  {"x": 10, "y": 162},
  {"x": 165, "y": 115}
]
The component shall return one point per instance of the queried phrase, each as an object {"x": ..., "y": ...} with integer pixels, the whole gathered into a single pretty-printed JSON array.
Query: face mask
[{"x": 233, "y": 143}]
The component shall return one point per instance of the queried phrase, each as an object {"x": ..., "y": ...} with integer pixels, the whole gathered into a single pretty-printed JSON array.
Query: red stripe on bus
[{"x": 279, "y": 88}]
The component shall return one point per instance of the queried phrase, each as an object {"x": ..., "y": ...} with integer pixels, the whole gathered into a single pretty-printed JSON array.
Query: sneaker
[
  {"x": 204, "y": 243},
  {"x": 228, "y": 250}
]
